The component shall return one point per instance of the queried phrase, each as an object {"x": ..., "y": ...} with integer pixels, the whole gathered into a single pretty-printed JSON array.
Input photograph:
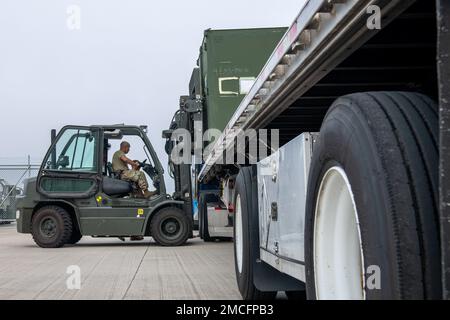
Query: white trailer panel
[{"x": 282, "y": 183}]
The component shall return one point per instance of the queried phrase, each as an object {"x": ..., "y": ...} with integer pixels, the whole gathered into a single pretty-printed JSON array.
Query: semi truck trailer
[
  {"x": 347, "y": 195},
  {"x": 228, "y": 64}
]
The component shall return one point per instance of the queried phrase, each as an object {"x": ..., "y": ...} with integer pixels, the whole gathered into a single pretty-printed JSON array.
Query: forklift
[{"x": 76, "y": 193}]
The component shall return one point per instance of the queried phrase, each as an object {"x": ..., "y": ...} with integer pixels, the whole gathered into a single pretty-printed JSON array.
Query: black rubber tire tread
[
  {"x": 386, "y": 142},
  {"x": 163, "y": 214},
  {"x": 421, "y": 159},
  {"x": 246, "y": 188},
  {"x": 76, "y": 233},
  {"x": 64, "y": 226},
  {"x": 75, "y": 238},
  {"x": 426, "y": 121},
  {"x": 428, "y": 110}
]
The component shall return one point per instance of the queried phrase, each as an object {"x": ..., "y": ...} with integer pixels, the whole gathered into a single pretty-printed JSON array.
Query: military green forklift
[{"x": 76, "y": 193}]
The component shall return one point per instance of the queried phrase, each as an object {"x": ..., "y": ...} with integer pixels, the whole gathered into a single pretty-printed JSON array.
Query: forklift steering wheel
[
  {"x": 142, "y": 164},
  {"x": 151, "y": 171}
]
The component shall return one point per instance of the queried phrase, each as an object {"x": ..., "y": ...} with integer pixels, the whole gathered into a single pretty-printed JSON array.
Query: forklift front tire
[
  {"x": 170, "y": 227},
  {"x": 51, "y": 227}
]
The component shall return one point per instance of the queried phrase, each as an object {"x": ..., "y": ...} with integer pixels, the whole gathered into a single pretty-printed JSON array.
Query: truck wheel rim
[
  {"x": 238, "y": 233},
  {"x": 338, "y": 254},
  {"x": 47, "y": 227}
]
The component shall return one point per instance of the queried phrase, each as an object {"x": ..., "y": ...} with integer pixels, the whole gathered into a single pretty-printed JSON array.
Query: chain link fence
[{"x": 13, "y": 173}]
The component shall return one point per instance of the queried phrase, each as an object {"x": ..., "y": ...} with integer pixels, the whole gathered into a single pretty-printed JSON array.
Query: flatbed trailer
[{"x": 333, "y": 69}]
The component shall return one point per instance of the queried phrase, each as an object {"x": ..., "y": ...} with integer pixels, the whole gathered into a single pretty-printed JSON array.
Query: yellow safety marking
[{"x": 140, "y": 212}]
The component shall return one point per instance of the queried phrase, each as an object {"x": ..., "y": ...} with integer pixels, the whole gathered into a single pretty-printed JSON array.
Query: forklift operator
[{"x": 120, "y": 164}]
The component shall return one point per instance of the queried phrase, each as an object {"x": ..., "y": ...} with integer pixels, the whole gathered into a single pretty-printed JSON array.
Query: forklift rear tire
[
  {"x": 75, "y": 238},
  {"x": 51, "y": 227},
  {"x": 246, "y": 236},
  {"x": 170, "y": 227},
  {"x": 371, "y": 229}
]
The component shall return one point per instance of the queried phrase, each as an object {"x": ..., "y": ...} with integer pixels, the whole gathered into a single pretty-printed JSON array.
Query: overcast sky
[{"x": 128, "y": 63}]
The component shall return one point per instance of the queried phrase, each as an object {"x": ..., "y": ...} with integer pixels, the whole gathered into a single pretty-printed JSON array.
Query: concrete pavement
[{"x": 111, "y": 269}]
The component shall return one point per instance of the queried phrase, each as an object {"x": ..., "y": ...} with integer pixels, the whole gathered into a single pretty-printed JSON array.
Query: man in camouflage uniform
[{"x": 120, "y": 164}]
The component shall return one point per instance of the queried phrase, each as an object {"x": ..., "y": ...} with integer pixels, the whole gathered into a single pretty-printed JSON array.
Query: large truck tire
[
  {"x": 170, "y": 227},
  {"x": 246, "y": 239},
  {"x": 203, "y": 216},
  {"x": 51, "y": 227},
  {"x": 372, "y": 204}
]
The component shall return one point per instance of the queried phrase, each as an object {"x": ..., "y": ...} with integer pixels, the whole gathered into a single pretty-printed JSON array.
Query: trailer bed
[{"x": 323, "y": 35}]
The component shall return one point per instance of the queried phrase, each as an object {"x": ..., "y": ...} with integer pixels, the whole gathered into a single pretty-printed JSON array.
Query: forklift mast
[{"x": 188, "y": 118}]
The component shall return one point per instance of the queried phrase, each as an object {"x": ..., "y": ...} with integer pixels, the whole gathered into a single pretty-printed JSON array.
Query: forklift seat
[
  {"x": 116, "y": 187},
  {"x": 110, "y": 171}
]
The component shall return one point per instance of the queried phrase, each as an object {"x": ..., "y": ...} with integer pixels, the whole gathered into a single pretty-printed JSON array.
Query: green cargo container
[{"x": 229, "y": 62}]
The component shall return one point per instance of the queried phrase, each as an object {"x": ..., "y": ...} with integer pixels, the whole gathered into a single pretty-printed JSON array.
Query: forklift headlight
[{"x": 18, "y": 214}]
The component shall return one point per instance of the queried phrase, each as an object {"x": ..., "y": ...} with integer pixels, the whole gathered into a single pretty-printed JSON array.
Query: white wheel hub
[
  {"x": 238, "y": 236},
  {"x": 338, "y": 254}
]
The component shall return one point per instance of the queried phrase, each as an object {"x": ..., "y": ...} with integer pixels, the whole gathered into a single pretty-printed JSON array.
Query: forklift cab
[
  {"x": 77, "y": 166},
  {"x": 77, "y": 194}
]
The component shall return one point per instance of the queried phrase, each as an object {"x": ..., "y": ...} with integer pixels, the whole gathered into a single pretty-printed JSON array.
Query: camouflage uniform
[
  {"x": 137, "y": 177},
  {"x": 126, "y": 174}
]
